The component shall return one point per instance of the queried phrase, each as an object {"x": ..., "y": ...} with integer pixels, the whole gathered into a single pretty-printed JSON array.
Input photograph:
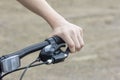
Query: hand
[{"x": 71, "y": 34}]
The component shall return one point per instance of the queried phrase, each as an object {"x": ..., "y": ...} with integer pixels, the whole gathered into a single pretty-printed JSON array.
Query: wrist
[{"x": 58, "y": 22}]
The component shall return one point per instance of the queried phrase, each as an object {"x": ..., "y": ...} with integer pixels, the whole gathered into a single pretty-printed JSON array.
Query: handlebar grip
[{"x": 58, "y": 40}]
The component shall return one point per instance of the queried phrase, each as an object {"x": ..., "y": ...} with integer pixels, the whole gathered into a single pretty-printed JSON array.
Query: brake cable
[
  {"x": 22, "y": 69},
  {"x": 21, "y": 77}
]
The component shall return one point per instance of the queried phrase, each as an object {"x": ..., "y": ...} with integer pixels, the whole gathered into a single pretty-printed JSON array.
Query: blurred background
[{"x": 98, "y": 60}]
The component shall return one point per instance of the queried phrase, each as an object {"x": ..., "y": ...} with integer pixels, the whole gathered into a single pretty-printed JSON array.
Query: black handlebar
[
  {"x": 33, "y": 48},
  {"x": 30, "y": 49}
]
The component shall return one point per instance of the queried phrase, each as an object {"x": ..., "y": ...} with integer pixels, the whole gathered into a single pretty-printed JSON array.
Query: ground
[{"x": 98, "y": 60}]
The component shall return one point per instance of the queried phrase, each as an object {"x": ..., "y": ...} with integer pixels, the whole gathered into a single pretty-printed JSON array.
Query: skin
[{"x": 70, "y": 33}]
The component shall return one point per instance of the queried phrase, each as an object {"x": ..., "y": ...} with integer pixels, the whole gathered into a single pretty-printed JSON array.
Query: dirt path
[{"x": 98, "y": 60}]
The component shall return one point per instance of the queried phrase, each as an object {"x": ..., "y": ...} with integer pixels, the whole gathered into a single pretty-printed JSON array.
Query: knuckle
[
  {"x": 82, "y": 45},
  {"x": 78, "y": 48},
  {"x": 81, "y": 29},
  {"x": 71, "y": 45},
  {"x": 72, "y": 48},
  {"x": 73, "y": 32}
]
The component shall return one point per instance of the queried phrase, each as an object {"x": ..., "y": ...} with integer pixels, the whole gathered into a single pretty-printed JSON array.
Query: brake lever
[
  {"x": 61, "y": 56},
  {"x": 53, "y": 53}
]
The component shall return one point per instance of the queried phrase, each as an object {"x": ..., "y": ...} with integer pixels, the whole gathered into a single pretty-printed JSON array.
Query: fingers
[
  {"x": 69, "y": 41},
  {"x": 78, "y": 40},
  {"x": 81, "y": 43},
  {"x": 74, "y": 39}
]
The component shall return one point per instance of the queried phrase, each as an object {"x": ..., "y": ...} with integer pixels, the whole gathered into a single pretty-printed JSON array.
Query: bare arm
[
  {"x": 70, "y": 33},
  {"x": 42, "y": 8}
]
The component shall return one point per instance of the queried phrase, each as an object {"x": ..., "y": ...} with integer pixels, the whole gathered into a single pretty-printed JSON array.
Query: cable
[
  {"x": 22, "y": 69},
  {"x": 21, "y": 77},
  {"x": 37, "y": 60}
]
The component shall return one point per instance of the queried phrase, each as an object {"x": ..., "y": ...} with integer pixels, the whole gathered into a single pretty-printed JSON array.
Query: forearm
[{"x": 42, "y": 8}]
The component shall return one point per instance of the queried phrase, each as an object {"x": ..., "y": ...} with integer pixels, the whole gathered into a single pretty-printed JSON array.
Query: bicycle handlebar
[
  {"x": 30, "y": 49},
  {"x": 12, "y": 61},
  {"x": 33, "y": 48},
  {"x": 50, "y": 53}
]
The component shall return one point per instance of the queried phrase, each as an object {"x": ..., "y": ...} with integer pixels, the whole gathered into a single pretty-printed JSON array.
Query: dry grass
[{"x": 98, "y": 60}]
